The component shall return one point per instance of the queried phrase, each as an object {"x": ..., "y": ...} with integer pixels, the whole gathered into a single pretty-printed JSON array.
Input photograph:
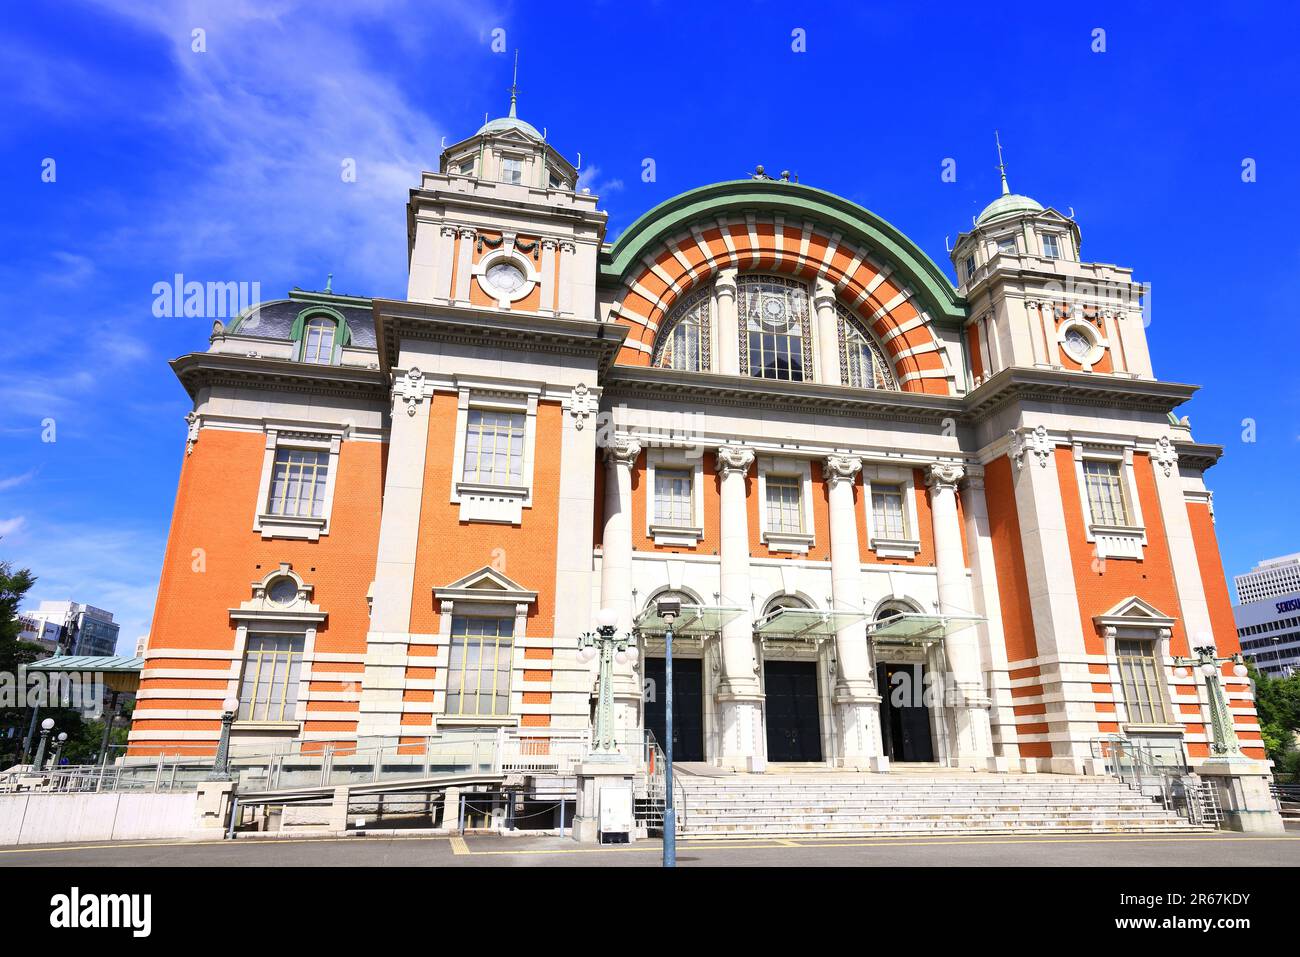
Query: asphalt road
[{"x": 1217, "y": 850}]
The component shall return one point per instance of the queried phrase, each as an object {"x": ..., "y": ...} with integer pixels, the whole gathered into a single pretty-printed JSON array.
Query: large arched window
[
  {"x": 684, "y": 341},
  {"x": 775, "y": 331},
  {"x": 862, "y": 361}
]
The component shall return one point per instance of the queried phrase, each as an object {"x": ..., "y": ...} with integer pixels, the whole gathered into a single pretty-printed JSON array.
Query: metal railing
[
  {"x": 306, "y": 764},
  {"x": 1168, "y": 782}
]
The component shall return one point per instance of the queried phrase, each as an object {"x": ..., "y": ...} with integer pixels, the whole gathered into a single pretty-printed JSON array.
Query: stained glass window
[
  {"x": 775, "y": 332},
  {"x": 684, "y": 339}
]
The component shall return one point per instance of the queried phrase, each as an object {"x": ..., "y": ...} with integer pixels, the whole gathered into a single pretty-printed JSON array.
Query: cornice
[
  {"x": 747, "y": 392},
  {"x": 1019, "y": 385},
  {"x": 198, "y": 370},
  {"x": 1197, "y": 455},
  {"x": 396, "y": 320}
]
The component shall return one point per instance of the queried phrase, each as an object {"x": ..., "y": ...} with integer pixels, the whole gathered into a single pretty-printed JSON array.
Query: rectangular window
[
  {"x": 268, "y": 690},
  {"x": 478, "y": 670},
  {"x": 1140, "y": 679},
  {"x": 1051, "y": 249},
  {"x": 1007, "y": 244},
  {"x": 673, "y": 501},
  {"x": 512, "y": 170},
  {"x": 970, "y": 268},
  {"x": 887, "y": 511},
  {"x": 298, "y": 483},
  {"x": 1106, "y": 498},
  {"x": 783, "y": 508},
  {"x": 466, "y": 168},
  {"x": 494, "y": 448}
]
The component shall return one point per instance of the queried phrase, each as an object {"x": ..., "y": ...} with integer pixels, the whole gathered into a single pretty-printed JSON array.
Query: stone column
[
  {"x": 1071, "y": 715},
  {"x": 446, "y": 253},
  {"x": 567, "y": 250},
  {"x": 966, "y": 695},
  {"x": 728, "y": 356},
  {"x": 988, "y": 602},
  {"x": 550, "y": 299},
  {"x": 616, "y": 568},
  {"x": 464, "y": 255},
  {"x": 740, "y": 699},
  {"x": 857, "y": 703},
  {"x": 828, "y": 334}
]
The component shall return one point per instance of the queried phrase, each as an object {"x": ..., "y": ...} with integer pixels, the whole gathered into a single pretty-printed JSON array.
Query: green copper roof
[
  {"x": 510, "y": 123},
  {"x": 1007, "y": 205}
]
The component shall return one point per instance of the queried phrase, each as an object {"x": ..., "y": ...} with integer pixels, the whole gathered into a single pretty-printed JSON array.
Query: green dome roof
[
  {"x": 1006, "y": 205},
  {"x": 510, "y": 123}
]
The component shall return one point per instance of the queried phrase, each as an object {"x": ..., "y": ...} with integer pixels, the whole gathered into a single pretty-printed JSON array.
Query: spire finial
[
  {"x": 514, "y": 86},
  {"x": 329, "y": 280},
  {"x": 1002, "y": 167}
]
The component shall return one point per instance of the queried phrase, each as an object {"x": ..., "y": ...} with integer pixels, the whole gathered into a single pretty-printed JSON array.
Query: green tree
[
  {"x": 1278, "y": 702},
  {"x": 14, "y": 652}
]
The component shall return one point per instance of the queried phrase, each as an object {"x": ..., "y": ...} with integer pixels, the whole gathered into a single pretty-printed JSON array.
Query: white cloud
[
  {"x": 10, "y": 525},
  {"x": 112, "y": 568},
  {"x": 16, "y": 480}
]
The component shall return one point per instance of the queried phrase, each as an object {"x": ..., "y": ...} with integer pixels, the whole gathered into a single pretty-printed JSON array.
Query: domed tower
[
  {"x": 1033, "y": 302},
  {"x": 502, "y": 225}
]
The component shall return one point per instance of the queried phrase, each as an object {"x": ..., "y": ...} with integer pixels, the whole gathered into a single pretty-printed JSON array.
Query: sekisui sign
[{"x": 1291, "y": 604}]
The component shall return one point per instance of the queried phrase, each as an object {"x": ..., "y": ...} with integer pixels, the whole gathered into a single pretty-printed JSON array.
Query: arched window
[
  {"x": 684, "y": 341},
  {"x": 318, "y": 340},
  {"x": 786, "y": 601},
  {"x": 862, "y": 362},
  {"x": 775, "y": 331}
]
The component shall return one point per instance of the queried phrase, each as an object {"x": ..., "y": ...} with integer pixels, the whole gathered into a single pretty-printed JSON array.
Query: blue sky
[{"x": 224, "y": 165}]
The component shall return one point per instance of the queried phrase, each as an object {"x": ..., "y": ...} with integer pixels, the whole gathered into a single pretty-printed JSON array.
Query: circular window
[
  {"x": 505, "y": 277},
  {"x": 282, "y": 591},
  {"x": 1077, "y": 343}
]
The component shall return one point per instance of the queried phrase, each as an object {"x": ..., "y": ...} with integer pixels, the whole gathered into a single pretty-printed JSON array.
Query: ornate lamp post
[
  {"x": 39, "y": 761},
  {"x": 1224, "y": 742},
  {"x": 604, "y": 641},
  {"x": 61, "y": 740},
  {"x": 668, "y": 611},
  {"x": 221, "y": 761}
]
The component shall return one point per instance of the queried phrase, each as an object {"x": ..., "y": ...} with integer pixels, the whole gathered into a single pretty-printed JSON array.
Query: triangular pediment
[
  {"x": 487, "y": 583},
  {"x": 1134, "y": 611}
]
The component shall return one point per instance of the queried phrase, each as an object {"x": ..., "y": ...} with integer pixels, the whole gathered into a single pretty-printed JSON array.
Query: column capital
[
  {"x": 944, "y": 475},
  {"x": 1035, "y": 441},
  {"x": 842, "y": 468},
  {"x": 467, "y": 232},
  {"x": 823, "y": 294},
  {"x": 725, "y": 283},
  {"x": 733, "y": 458},
  {"x": 622, "y": 450}
]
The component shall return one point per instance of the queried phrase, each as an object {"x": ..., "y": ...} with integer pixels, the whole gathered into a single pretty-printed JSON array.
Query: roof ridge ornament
[
  {"x": 1002, "y": 166},
  {"x": 514, "y": 87}
]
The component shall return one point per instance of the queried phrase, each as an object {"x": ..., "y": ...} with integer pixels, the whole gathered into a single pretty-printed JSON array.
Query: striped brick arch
[{"x": 866, "y": 282}]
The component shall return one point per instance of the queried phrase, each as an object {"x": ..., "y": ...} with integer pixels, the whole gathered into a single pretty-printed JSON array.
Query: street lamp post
[
  {"x": 604, "y": 641},
  {"x": 668, "y": 611},
  {"x": 39, "y": 761},
  {"x": 1224, "y": 741},
  {"x": 61, "y": 740},
  {"x": 221, "y": 761}
]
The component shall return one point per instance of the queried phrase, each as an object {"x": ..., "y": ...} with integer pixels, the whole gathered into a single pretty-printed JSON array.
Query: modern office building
[
  {"x": 81, "y": 629},
  {"x": 909, "y": 521},
  {"x": 1271, "y": 578},
  {"x": 1268, "y": 614}
]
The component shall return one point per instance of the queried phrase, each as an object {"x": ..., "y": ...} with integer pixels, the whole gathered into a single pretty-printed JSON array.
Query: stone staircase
[{"x": 839, "y": 804}]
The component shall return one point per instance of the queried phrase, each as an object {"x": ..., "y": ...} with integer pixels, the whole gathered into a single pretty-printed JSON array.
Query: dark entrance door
[
  {"x": 904, "y": 715},
  {"x": 793, "y": 722},
  {"x": 688, "y": 706}
]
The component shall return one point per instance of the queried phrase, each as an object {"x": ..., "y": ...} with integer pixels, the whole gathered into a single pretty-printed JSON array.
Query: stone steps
[{"x": 838, "y": 804}]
